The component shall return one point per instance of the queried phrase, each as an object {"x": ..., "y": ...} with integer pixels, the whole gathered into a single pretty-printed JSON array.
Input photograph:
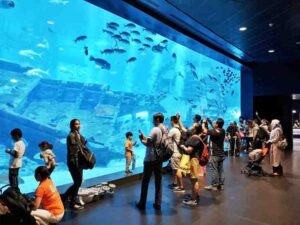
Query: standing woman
[
  {"x": 276, "y": 153},
  {"x": 74, "y": 141}
]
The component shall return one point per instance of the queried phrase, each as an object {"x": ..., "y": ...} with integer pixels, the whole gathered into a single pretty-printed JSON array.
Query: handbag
[
  {"x": 86, "y": 159},
  {"x": 282, "y": 144}
]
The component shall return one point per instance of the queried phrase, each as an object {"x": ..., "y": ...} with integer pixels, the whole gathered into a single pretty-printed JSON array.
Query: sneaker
[
  {"x": 190, "y": 202},
  {"x": 222, "y": 187},
  {"x": 210, "y": 188},
  {"x": 172, "y": 186},
  {"x": 189, "y": 197},
  {"x": 179, "y": 189},
  {"x": 76, "y": 207}
]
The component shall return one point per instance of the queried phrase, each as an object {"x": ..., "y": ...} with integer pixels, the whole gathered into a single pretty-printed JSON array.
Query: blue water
[{"x": 63, "y": 59}]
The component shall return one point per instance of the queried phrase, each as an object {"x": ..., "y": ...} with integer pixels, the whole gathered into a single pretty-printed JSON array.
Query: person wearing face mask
[{"x": 73, "y": 147}]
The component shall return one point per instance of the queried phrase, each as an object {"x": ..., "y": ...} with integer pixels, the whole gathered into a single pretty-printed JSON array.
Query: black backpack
[
  {"x": 20, "y": 206},
  {"x": 86, "y": 159}
]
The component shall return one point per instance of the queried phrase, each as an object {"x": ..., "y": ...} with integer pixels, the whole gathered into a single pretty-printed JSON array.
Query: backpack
[
  {"x": 204, "y": 157},
  {"x": 165, "y": 149},
  {"x": 20, "y": 205},
  {"x": 86, "y": 159}
]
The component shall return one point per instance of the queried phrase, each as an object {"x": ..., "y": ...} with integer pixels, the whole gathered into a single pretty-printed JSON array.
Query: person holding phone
[{"x": 152, "y": 163}]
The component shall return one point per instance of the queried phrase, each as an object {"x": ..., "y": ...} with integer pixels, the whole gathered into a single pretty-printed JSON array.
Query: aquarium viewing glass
[{"x": 65, "y": 59}]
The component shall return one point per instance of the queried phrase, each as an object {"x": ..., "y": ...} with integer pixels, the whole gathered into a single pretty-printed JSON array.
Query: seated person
[{"x": 47, "y": 197}]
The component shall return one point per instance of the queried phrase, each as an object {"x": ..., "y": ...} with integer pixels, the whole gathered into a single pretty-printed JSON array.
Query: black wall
[
  {"x": 246, "y": 92},
  {"x": 273, "y": 86}
]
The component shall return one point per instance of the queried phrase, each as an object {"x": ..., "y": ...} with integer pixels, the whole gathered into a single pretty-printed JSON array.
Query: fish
[
  {"x": 113, "y": 24},
  {"x": 232, "y": 93},
  {"x": 108, "y": 32},
  {"x": 124, "y": 33},
  {"x": 135, "y": 32},
  {"x": 108, "y": 51},
  {"x": 50, "y": 22},
  {"x": 37, "y": 72},
  {"x": 174, "y": 55},
  {"x": 180, "y": 75},
  {"x": 7, "y": 4},
  {"x": 192, "y": 66},
  {"x": 111, "y": 27},
  {"x": 116, "y": 36},
  {"x": 141, "y": 49},
  {"x": 30, "y": 53},
  {"x": 149, "y": 39},
  {"x": 194, "y": 106},
  {"x": 64, "y": 70},
  {"x": 120, "y": 50},
  {"x": 50, "y": 30},
  {"x": 62, "y": 2},
  {"x": 101, "y": 62},
  {"x": 43, "y": 44},
  {"x": 164, "y": 41},
  {"x": 159, "y": 49},
  {"x": 86, "y": 50},
  {"x": 130, "y": 25},
  {"x": 136, "y": 41},
  {"x": 146, "y": 45},
  {"x": 132, "y": 59},
  {"x": 124, "y": 41},
  {"x": 211, "y": 90},
  {"x": 176, "y": 98},
  {"x": 195, "y": 74},
  {"x": 80, "y": 38}
]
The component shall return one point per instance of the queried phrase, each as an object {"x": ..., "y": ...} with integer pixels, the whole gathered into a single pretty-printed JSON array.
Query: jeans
[
  {"x": 13, "y": 178},
  {"x": 149, "y": 167},
  {"x": 217, "y": 172},
  {"x": 72, "y": 191}
]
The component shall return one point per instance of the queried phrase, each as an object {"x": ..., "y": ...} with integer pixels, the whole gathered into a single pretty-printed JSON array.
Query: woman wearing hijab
[{"x": 276, "y": 154}]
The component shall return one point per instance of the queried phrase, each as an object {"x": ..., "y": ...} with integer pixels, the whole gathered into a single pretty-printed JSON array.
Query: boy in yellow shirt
[{"x": 129, "y": 151}]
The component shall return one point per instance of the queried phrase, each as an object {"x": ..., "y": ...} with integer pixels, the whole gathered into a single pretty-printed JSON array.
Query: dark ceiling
[{"x": 271, "y": 24}]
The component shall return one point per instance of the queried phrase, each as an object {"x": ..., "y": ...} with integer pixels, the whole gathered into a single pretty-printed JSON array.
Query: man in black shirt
[{"x": 217, "y": 136}]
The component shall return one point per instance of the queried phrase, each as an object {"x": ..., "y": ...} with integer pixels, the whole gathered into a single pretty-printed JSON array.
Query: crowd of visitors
[{"x": 188, "y": 147}]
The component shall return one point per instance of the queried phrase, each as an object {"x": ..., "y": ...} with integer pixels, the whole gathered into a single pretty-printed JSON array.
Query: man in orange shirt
[
  {"x": 129, "y": 151},
  {"x": 47, "y": 196}
]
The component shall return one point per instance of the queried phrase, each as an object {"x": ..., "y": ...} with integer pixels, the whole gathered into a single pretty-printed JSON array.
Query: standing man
[
  {"x": 217, "y": 136},
  {"x": 74, "y": 141},
  {"x": 152, "y": 163}
]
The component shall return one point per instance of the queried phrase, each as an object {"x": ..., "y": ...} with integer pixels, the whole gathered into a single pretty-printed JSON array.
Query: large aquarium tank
[{"x": 65, "y": 59}]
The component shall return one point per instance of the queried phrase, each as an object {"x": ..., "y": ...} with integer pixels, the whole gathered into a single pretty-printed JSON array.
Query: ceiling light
[
  {"x": 271, "y": 24},
  {"x": 243, "y": 28},
  {"x": 298, "y": 43},
  {"x": 271, "y": 51}
]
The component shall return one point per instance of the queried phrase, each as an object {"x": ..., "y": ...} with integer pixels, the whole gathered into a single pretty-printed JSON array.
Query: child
[
  {"x": 129, "y": 151},
  {"x": 16, "y": 155},
  {"x": 48, "y": 155}
]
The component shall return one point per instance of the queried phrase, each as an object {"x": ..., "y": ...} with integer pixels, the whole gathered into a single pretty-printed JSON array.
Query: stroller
[{"x": 255, "y": 158}]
